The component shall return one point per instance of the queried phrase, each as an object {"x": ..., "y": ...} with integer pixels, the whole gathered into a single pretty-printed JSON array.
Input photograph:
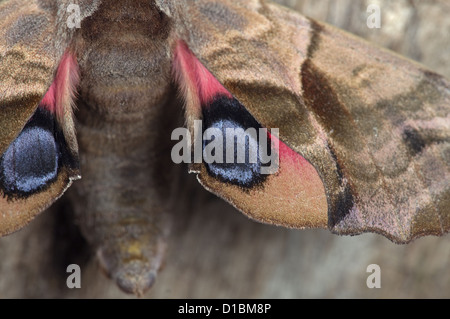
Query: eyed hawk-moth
[{"x": 363, "y": 133}]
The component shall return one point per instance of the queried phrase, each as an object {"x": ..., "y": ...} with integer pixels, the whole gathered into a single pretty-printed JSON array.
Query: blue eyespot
[
  {"x": 239, "y": 162},
  {"x": 30, "y": 162},
  {"x": 239, "y": 159}
]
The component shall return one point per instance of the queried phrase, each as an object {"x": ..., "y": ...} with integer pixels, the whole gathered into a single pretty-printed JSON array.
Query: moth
[{"x": 363, "y": 141}]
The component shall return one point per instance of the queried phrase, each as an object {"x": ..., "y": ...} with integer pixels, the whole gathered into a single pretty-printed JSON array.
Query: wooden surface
[{"x": 217, "y": 252}]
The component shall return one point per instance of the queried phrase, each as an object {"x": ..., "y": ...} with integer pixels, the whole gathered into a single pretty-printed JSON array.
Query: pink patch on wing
[
  {"x": 295, "y": 176},
  {"x": 290, "y": 161},
  {"x": 190, "y": 73},
  {"x": 288, "y": 155},
  {"x": 63, "y": 87},
  {"x": 188, "y": 68}
]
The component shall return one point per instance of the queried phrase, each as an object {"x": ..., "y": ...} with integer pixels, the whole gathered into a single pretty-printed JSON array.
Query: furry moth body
[{"x": 364, "y": 135}]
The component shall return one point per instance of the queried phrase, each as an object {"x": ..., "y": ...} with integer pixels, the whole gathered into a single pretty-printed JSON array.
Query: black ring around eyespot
[
  {"x": 33, "y": 160},
  {"x": 223, "y": 113},
  {"x": 30, "y": 162}
]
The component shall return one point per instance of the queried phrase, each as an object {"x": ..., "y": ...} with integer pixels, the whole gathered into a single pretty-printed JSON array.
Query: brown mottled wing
[
  {"x": 27, "y": 63},
  {"x": 375, "y": 126},
  {"x": 33, "y": 38}
]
